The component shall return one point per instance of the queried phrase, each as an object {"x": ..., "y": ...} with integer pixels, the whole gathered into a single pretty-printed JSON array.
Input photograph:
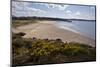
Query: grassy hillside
[
  {"x": 16, "y": 23},
  {"x": 44, "y": 51}
]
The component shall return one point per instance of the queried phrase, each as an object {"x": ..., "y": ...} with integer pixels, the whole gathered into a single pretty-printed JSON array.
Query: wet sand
[{"x": 48, "y": 29}]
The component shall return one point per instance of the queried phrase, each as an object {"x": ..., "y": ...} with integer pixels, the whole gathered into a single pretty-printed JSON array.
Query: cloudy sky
[{"x": 52, "y": 10}]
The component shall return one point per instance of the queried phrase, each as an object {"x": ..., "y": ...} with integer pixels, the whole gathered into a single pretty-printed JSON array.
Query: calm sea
[{"x": 86, "y": 28}]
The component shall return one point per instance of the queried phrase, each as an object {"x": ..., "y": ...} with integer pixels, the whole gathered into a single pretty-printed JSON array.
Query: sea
[{"x": 86, "y": 28}]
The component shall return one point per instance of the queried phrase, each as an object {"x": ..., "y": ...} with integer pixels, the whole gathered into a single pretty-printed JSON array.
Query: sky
[{"x": 67, "y": 11}]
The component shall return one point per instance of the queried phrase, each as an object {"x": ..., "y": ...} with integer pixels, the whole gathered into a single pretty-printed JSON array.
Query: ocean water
[{"x": 86, "y": 28}]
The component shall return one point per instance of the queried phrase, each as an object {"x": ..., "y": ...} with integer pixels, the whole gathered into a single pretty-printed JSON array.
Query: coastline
[{"x": 48, "y": 29}]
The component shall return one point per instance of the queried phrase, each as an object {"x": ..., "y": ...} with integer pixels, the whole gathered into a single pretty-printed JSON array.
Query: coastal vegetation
[
  {"x": 19, "y": 22},
  {"x": 44, "y": 33},
  {"x": 27, "y": 51}
]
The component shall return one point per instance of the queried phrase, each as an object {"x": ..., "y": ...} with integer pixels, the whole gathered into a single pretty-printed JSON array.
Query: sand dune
[{"x": 47, "y": 29}]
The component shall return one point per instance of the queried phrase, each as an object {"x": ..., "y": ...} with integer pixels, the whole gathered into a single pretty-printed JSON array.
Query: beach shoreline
[{"x": 49, "y": 30}]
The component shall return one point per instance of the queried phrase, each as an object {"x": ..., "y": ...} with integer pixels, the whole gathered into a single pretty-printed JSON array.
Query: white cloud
[
  {"x": 30, "y": 9},
  {"x": 63, "y": 7},
  {"x": 92, "y": 7},
  {"x": 23, "y": 9},
  {"x": 77, "y": 13},
  {"x": 68, "y": 12},
  {"x": 56, "y": 6}
]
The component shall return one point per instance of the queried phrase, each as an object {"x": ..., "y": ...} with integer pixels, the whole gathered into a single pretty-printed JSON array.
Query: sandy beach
[{"x": 48, "y": 29}]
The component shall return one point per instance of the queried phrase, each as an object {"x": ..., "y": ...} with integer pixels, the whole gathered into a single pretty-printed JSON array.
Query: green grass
[
  {"x": 44, "y": 51},
  {"x": 16, "y": 23}
]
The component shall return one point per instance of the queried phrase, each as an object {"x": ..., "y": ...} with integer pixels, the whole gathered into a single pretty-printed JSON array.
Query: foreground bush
[{"x": 44, "y": 51}]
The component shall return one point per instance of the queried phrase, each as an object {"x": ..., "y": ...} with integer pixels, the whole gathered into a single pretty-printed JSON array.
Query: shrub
[
  {"x": 21, "y": 33},
  {"x": 38, "y": 51}
]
